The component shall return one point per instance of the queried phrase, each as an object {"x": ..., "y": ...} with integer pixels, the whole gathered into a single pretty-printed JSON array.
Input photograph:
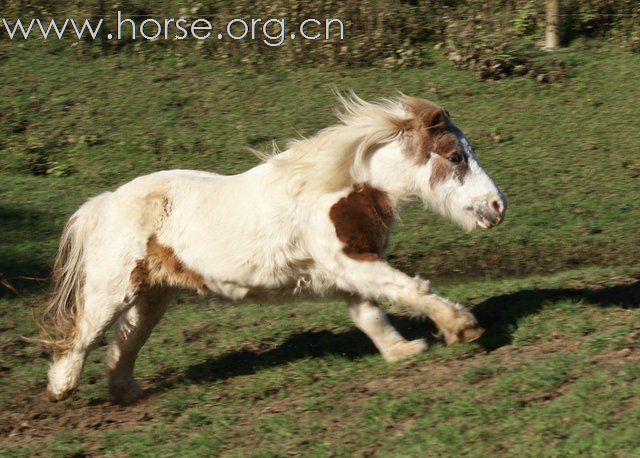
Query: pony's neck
[{"x": 389, "y": 170}]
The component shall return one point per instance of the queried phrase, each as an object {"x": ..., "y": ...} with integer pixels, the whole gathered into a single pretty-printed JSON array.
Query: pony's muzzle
[{"x": 491, "y": 211}]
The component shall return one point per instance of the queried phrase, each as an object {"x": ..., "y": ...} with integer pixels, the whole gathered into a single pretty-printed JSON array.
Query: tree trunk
[{"x": 553, "y": 23}]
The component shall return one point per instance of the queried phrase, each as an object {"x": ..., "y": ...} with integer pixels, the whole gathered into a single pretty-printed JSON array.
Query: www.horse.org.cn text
[{"x": 271, "y": 31}]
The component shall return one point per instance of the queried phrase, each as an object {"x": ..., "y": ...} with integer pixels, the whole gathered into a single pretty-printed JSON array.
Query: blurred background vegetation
[
  {"x": 494, "y": 38},
  {"x": 558, "y": 130}
]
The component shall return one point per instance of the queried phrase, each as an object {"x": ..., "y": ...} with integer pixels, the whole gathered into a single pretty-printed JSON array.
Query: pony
[{"x": 311, "y": 220}]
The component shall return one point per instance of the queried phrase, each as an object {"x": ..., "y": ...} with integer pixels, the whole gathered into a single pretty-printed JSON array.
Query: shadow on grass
[
  {"x": 21, "y": 267},
  {"x": 499, "y": 315},
  {"x": 351, "y": 344}
]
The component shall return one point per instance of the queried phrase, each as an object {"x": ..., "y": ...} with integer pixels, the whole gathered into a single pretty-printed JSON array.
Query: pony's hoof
[
  {"x": 469, "y": 335},
  {"x": 462, "y": 328},
  {"x": 57, "y": 397},
  {"x": 402, "y": 350},
  {"x": 126, "y": 393},
  {"x": 463, "y": 335}
]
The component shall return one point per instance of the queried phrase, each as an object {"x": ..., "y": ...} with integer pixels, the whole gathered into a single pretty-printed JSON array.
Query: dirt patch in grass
[{"x": 35, "y": 420}]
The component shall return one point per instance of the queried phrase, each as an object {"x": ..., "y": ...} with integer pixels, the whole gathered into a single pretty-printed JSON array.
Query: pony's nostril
[{"x": 497, "y": 205}]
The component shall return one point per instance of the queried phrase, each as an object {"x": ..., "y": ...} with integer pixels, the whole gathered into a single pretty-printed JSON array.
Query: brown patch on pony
[
  {"x": 161, "y": 267},
  {"x": 156, "y": 209},
  {"x": 447, "y": 146},
  {"x": 362, "y": 220},
  {"x": 428, "y": 123},
  {"x": 439, "y": 172},
  {"x": 430, "y": 130}
]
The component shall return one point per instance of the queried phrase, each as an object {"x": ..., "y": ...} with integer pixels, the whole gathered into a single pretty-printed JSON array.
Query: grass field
[
  {"x": 557, "y": 285},
  {"x": 555, "y": 375}
]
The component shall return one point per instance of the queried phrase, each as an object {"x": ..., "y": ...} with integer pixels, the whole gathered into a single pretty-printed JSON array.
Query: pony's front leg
[
  {"x": 372, "y": 320},
  {"x": 455, "y": 322},
  {"x": 373, "y": 279}
]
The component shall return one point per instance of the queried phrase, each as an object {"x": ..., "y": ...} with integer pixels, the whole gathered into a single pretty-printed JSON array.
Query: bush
[{"x": 493, "y": 38}]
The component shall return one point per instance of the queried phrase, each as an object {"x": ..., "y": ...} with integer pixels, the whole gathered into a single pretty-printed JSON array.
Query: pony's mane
[{"x": 330, "y": 159}]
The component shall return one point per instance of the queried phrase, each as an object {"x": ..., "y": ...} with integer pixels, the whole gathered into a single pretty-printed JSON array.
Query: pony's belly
[
  {"x": 227, "y": 290},
  {"x": 265, "y": 284}
]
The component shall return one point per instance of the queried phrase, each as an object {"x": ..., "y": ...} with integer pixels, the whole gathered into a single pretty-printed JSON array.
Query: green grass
[
  {"x": 567, "y": 157},
  {"x": 556, "y": 373}
]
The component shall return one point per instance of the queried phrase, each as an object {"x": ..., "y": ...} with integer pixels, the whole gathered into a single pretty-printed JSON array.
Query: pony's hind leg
[
  {"x": 131, "y": 333},
  {"x": 97, "y": 315},
  {"x": 372, "y": 320}
]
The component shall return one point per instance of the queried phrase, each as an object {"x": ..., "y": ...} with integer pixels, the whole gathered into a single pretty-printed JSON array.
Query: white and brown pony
[{"x": 313, "y": 219}]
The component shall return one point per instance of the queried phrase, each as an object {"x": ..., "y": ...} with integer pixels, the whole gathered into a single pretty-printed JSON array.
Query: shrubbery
[{"x": 495, "y": 38}]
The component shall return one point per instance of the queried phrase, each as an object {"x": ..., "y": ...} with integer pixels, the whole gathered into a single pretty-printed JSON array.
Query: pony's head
[
  {"x": 425, "y": 155},
  {"x": 449, "y": 176}
]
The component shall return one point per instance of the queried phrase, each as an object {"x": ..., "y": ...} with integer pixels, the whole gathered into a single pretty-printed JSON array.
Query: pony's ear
[{"x": 435, "y": 119}]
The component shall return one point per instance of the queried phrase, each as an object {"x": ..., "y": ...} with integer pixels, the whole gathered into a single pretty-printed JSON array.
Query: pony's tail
[{"x": 58, "y": 321}]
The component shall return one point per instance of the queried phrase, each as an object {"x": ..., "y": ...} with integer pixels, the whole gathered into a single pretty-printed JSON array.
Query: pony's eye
[{"x": 455, "y": 158}]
